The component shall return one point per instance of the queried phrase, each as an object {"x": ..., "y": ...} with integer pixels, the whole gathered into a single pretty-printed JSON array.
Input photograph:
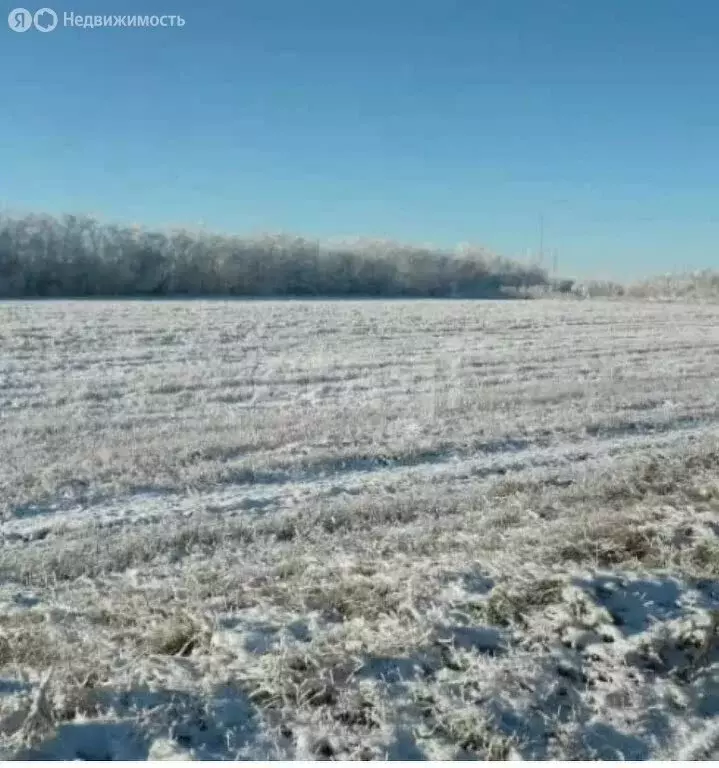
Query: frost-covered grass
[{"x": 359, "y": 529}]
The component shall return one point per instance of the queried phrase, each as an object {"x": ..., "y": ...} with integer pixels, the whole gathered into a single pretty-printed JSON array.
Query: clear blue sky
[{"x": 424, "y": 120}]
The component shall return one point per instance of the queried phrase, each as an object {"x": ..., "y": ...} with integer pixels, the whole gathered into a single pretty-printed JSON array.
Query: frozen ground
[{"x": 359, "y": 529}]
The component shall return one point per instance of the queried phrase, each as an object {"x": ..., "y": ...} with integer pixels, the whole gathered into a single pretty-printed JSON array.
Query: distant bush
[
  {"x": 692, "y": 286},
  {"x": 43, "y": 256},
  {"x": 565, "y": 286},
  {"x": 592, "y": 289}
]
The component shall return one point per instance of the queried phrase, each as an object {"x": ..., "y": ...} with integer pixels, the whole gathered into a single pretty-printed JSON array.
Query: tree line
[{"x": 77, "y": 256}]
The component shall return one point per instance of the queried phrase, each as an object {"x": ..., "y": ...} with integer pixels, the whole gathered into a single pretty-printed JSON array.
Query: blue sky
[{"x": 423, "y": 120}]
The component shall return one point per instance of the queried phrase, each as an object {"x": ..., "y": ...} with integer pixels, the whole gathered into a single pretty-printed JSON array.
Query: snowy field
[{"x": 410, "y": 529}]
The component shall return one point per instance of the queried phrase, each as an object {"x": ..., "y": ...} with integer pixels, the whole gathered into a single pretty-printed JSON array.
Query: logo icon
[
  {"x": 19, "y": 20},
  {"x": 45, "y": 20}
]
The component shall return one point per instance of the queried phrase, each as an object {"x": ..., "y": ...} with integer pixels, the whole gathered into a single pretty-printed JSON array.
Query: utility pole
[{"x": 541, "y": 240}]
